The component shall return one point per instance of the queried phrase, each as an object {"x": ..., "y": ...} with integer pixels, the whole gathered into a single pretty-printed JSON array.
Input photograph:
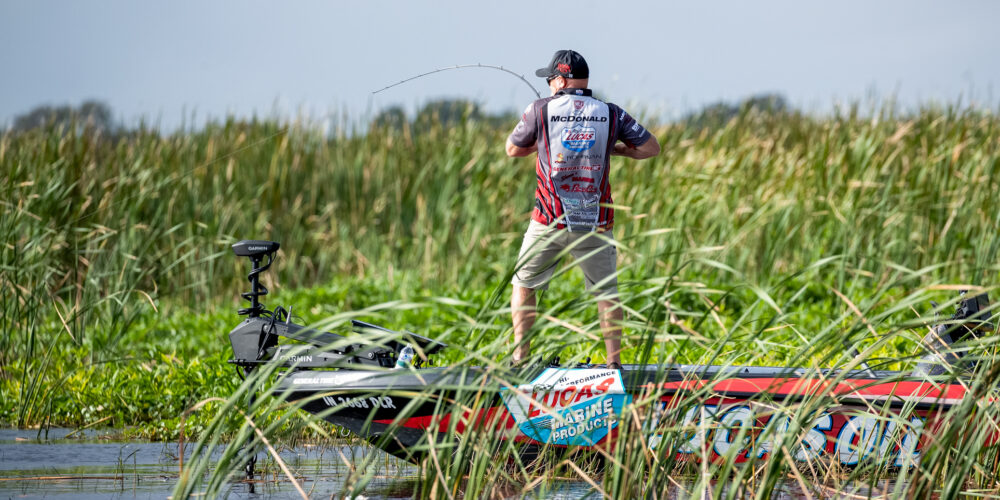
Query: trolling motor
[
  {"x": 973, "y": 317},
  {"x": 255, "y": 250},
  {"x": 255, "y": 339}
]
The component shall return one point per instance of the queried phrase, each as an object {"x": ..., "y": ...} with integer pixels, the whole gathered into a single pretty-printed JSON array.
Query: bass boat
[{"x": 359, "y": 381}]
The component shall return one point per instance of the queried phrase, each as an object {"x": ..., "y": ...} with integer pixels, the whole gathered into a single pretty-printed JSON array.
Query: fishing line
[
  {"x": 462, "y": 66},
  {"x": 184, "y": 174}
]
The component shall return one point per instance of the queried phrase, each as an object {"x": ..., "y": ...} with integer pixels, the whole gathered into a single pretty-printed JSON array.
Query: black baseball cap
[{"x": 566, "y": 63}]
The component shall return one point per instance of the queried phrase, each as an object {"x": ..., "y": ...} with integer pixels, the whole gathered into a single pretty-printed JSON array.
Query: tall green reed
[
  {"x": 958, "y": 455},
  {"x": 733, "y": 237}
]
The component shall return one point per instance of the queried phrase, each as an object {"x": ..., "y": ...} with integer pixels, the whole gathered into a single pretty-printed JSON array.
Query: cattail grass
[
  {"x": 772, "y": 239},
  {"x": 959, "y": 453}
]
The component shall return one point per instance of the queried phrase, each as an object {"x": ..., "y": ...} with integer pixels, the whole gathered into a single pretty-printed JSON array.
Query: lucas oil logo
[
  {"x": 579, "y": 138},
  {"x": 741, "y": 430},
  {"x": 568, "y": 406}
]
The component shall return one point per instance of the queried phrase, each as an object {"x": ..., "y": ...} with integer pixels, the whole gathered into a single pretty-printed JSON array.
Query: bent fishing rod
[{"x": 462, "y": 66}]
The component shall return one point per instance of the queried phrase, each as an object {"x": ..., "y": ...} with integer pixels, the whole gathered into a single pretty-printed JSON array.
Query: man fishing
[{"x": 574, "y": 136}]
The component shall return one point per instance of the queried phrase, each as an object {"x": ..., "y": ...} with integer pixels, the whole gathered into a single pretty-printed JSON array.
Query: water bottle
[{"x": 405, "y": 356}]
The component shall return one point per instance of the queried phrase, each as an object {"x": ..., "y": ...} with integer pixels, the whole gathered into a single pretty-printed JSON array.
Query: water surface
[
  {"x": 63, "y": 464},
  {"x": 101, "y": 465}
]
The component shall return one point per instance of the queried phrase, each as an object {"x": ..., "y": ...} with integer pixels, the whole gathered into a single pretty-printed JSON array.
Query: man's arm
[
  {"x": 647, "y": 149},
  {"x": 630, "y": 132},
  {"x": 524, "y": 133},
  {"x": 514, "y": 151}
]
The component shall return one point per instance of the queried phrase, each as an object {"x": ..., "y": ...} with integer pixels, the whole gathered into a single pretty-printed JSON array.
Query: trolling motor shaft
[
  {"x": 255, "y": 339},
  {"x": 255, "y": 250}
]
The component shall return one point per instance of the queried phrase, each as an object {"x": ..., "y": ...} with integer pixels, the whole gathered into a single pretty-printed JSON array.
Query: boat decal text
[
  {"x": 735, "y": 432},
  {"x": 568, "y": 406},
  {"x": 366, "y": 402}
]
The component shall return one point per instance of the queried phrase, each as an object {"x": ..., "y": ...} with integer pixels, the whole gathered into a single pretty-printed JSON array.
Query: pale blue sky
[{"x": 159, "y": 60}]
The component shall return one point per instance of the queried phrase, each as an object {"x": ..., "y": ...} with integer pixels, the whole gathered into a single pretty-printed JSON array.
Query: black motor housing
[
  {"x": 973, "y": 316},
  {"x": 255, "y": 340},
  {"x": 250, "y": 340}
]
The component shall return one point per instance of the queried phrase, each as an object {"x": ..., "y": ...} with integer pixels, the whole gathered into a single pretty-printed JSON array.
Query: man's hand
[
  {"x": 648, "y": 149},
  {"x": 516, "y": 151}
]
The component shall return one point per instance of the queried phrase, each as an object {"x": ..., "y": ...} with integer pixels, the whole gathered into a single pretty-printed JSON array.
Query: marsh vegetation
[{"x": 771, "y": 239}]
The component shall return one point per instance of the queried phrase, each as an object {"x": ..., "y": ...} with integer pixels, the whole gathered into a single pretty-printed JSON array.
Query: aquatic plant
[{"x": 774, "y": 239}]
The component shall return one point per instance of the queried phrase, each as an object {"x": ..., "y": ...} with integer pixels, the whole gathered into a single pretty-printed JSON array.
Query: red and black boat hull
[{"x": 688, "y": 412}]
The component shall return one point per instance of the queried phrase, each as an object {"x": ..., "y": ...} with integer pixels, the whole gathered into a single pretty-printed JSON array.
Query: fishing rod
[
  {"x": 186, "y": 173},
  {"x": 462, "y": 66}
]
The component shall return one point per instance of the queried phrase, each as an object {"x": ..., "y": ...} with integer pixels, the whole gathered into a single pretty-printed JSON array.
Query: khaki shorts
[{"x": 544, "y": 247}]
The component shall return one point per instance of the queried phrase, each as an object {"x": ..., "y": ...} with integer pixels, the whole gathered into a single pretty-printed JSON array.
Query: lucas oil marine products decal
[{"x": 568, "y": 406}]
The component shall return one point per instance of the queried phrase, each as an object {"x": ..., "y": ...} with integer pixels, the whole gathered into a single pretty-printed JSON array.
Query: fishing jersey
[{"x": 575, "y": 134}]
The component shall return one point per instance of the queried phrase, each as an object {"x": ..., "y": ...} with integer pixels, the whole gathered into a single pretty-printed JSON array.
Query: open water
[
  {"x": 62, "y": 464},
  {"x": 97, "y": 465}
]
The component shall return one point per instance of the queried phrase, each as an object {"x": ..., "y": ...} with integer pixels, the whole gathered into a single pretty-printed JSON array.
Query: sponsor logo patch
[
  {"x": 579, "y": 188},
  {"x": 579, "y": 138},
  {"x": 577, "y": 104},
  {"x": 557, "y": 118},
  {"x": 575, "y": 168},
  {"x": 560, "y": 158}
]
